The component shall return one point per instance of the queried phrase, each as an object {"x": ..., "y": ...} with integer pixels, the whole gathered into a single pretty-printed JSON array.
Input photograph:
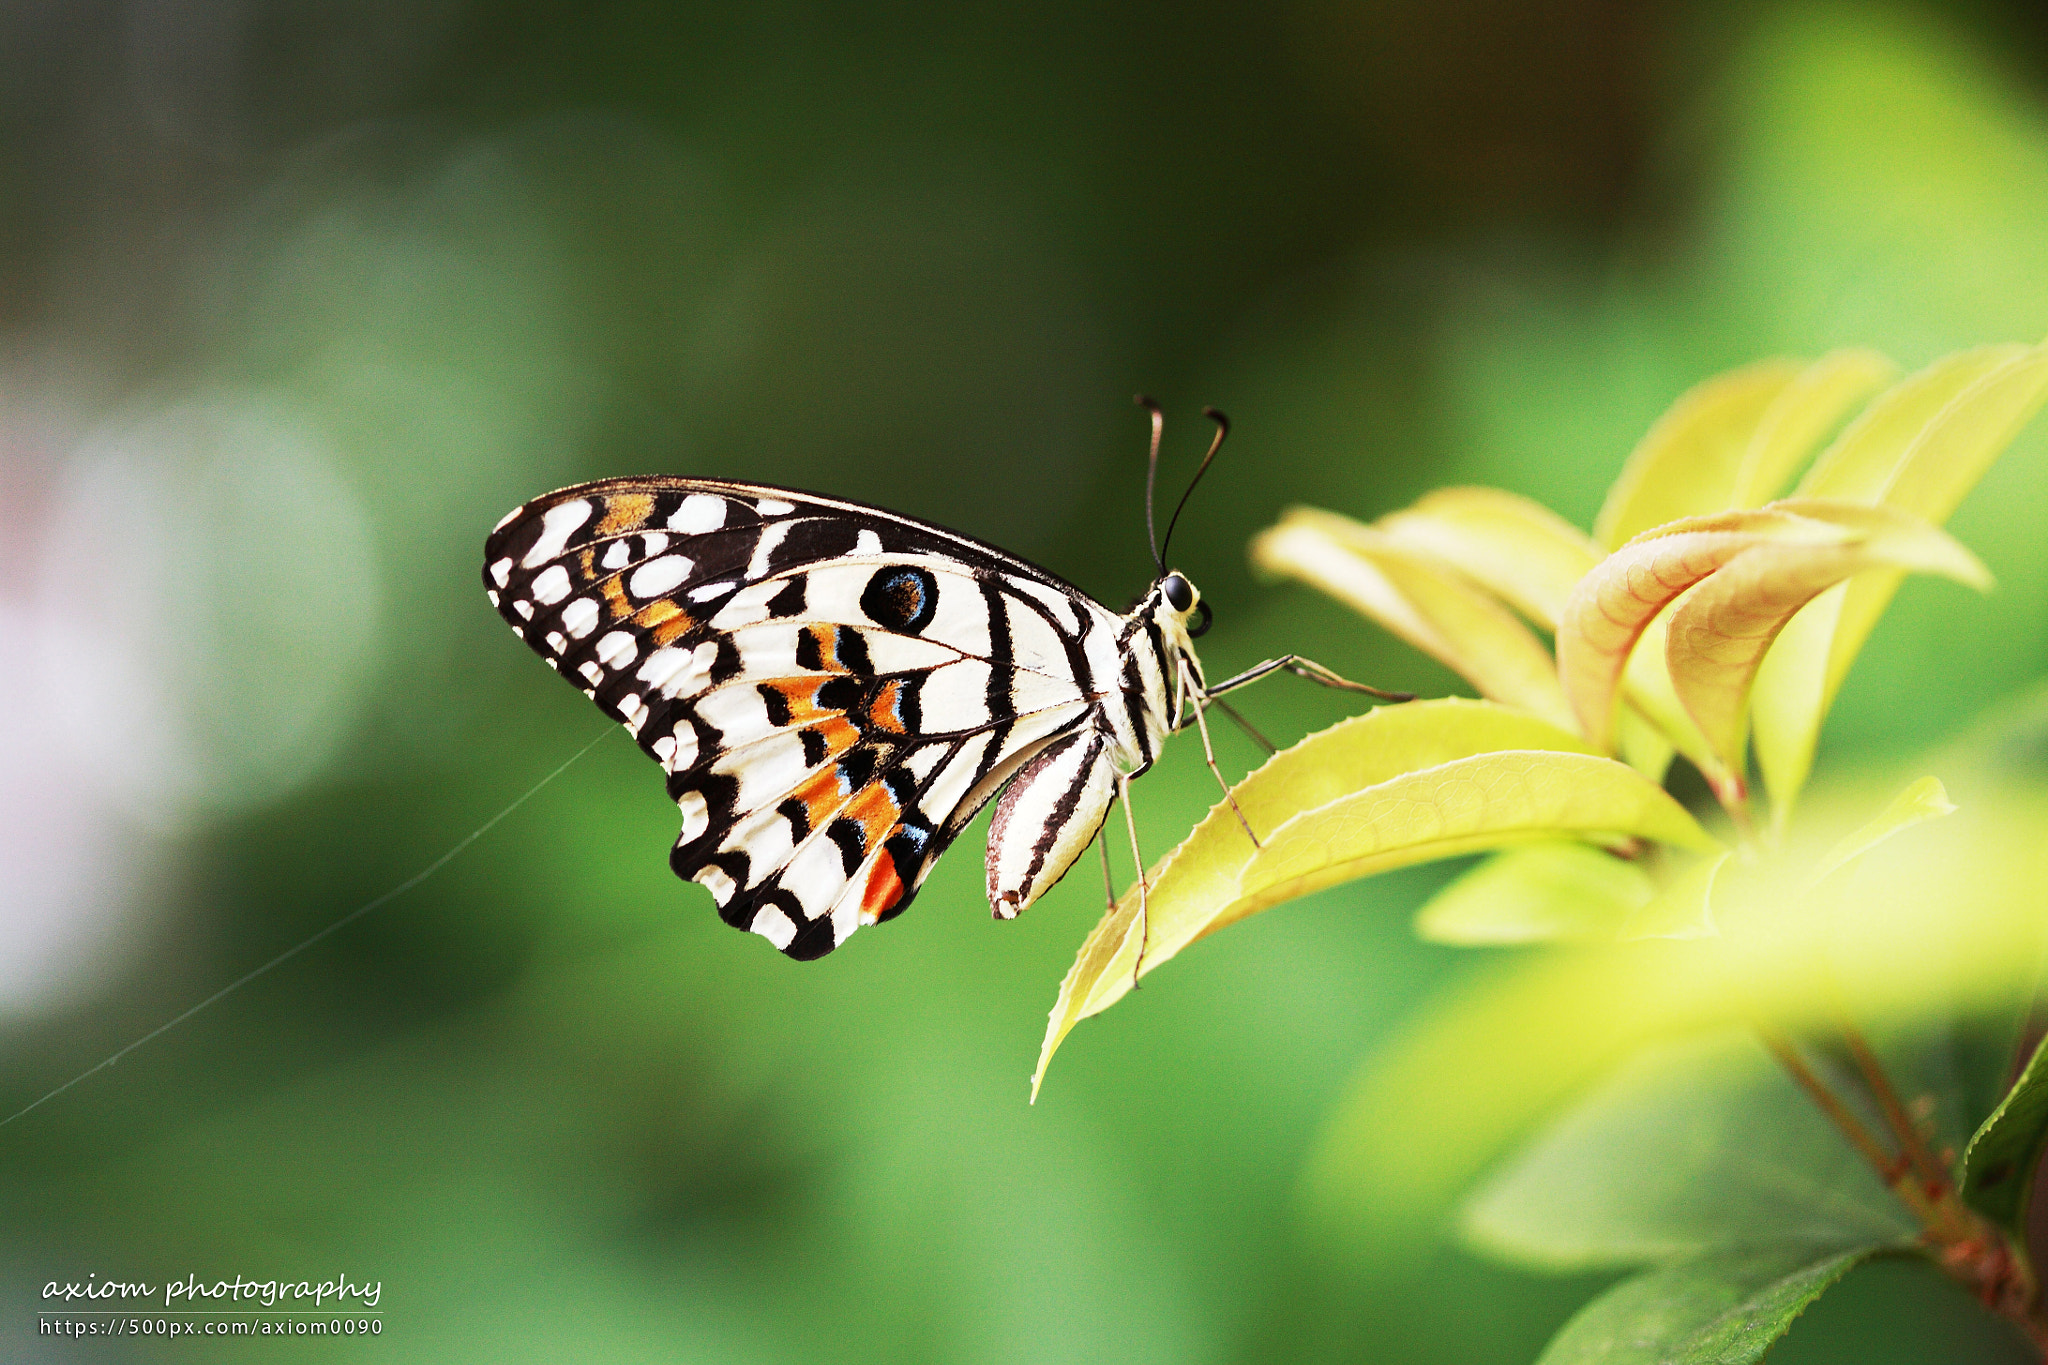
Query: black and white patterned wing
[{"x": 832, "y": 689}]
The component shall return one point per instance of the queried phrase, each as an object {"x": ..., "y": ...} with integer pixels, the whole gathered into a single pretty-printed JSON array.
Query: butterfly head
[
  {"x": 1178, "y": 600},
  {"x": 1178, "y": 616}
]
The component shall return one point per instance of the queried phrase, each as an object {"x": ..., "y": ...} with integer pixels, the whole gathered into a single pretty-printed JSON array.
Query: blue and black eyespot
[{"x": 901, "y": 598}]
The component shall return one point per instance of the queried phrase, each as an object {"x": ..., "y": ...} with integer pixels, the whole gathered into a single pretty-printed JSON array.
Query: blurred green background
[{"x": 296, "y": 299}]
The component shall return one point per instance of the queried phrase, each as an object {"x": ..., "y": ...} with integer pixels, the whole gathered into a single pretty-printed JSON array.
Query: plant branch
[
  {"x": 1889, "y": 1168},
  {"x": 1912, "y": 1147},
  {"x": 1971, "y": 1249}
]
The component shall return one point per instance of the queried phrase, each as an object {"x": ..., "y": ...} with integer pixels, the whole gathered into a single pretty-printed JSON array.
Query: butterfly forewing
[{"x": 833, "y": 690}]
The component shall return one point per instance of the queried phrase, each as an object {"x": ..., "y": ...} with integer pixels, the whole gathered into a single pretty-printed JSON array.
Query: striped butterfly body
[{"x": 834, "y": 690}]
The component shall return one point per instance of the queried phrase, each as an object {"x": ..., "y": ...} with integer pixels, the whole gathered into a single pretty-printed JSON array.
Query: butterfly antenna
[
  {"x": 1151, "y": 405},
  {"x": 1222, "y": 430}
]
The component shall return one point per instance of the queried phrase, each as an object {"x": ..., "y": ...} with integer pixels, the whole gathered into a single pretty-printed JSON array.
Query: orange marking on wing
[
  {"x": 883, "y": 712},
  {"x": 615, "y": 598},
  {"x": 825, "y": 638},
  {"x": 802, "y": 696},
  {"x": 624, "y": 511},
  {"x": 658, "y": 612},
  {"x": 821, "y": 796},
  {"x": 839, "y": 733},
  {"x": 884, "y": 889},
  {"x": 876, "y": 810}
]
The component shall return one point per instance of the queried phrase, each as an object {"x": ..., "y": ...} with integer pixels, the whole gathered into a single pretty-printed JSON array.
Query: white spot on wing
[
  {"x": 714, "y": 880},
  {"x": 757, "y": 567},
  {"x": 709, "y": 591},
  {"x": 579, "y": 617},
  {"x": 652, "y": 544},
  {"x": 677, "y": 671},
  {"x": 592, "y": 670},
  {"x": 524, "y": 608},
  {"x": 774, "y": 926},
  {"x": 509, "y": 518},
  {"x": 867, "y": 543},
  {"x": 501, "y": 572},
  {"x": 552, "y": 585},
  {"x": 492, "y": 593},
  {"x": 658, "y": 576},
  {"x": 617, "y": 649},
  {"x": 556, "y": 641},
  {"x": 617, "y": 554},
  {"x": 696, "y": 815},
  {"x": 555, "y": 526},
  {"x": 773, "y": 507},
  {"x": 700, "y": 512},
  {"x": 683, "y": 747},
  {"x": 815, "y": 876}
]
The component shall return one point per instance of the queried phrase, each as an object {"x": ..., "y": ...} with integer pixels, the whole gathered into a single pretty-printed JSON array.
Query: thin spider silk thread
[{"x": 351, "y": 917}]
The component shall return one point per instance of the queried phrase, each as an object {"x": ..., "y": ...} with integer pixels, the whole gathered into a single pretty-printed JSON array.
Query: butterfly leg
[
  {"x": 1123, "y": 792},
  {"x": 1108, "y": 878},
  {"x": 1209, "y": 755},
  {"x": 1305, "y": 668},
  {"x": 1252, "y": 730}
]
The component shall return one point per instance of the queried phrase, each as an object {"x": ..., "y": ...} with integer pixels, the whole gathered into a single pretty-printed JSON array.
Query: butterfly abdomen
[{"x": 1047, "y": 817}]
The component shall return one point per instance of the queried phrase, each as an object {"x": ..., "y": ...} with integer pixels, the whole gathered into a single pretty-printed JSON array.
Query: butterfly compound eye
[{"x": 1179, "y": 593}]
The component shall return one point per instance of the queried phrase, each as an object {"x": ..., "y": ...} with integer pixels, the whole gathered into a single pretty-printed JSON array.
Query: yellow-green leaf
[
  {"x": 1615, "y": 603},
  {"x": 1519, "y": 550},
  {"x": 1807, "y": 409},
  {"x": 1643, "y": 746},
  {"x": 1858, "y": 465},
  {"x": 1736, "y": 439},
  {"x": 1457, "y": 807},
  {"x": 1646, "y": 685},
  {"x": 1399, "y": 785},
  {"x": 1920, "y": 449},
  {"x": 1684, "y": 906},
  {"x": 1421, "y": 599},
  {"x": 1688, "y": 462},
  {"x": 1746, "y": 573},
  {"x": 1925, "y": 799},
  {"x": 1541, "y": 892},
  {"x": 1718, "y": 636}
]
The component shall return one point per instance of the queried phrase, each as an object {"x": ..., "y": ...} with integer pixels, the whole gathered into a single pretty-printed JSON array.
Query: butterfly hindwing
[{"x": 832, "y": 690}]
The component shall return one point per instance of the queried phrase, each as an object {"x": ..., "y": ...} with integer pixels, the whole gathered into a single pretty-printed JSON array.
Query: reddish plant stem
[
  {"x": 1970, "y": 1248},
  {"x": 1933, "y": 1175}
]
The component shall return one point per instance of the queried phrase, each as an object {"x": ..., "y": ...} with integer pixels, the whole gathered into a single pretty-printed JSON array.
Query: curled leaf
[
  {"x": 1718, "y": 636},
  {"x": 1748, "y": 572},
  {"x": 1396, "y": 786},
  {"x": 1614, "y": 604},
  {"x": 1419, "y": 598},
  {"x": 1920, "y": 448}
]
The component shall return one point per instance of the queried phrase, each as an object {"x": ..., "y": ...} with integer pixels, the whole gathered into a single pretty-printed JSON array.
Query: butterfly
[{"x": 834, "y": 690}]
